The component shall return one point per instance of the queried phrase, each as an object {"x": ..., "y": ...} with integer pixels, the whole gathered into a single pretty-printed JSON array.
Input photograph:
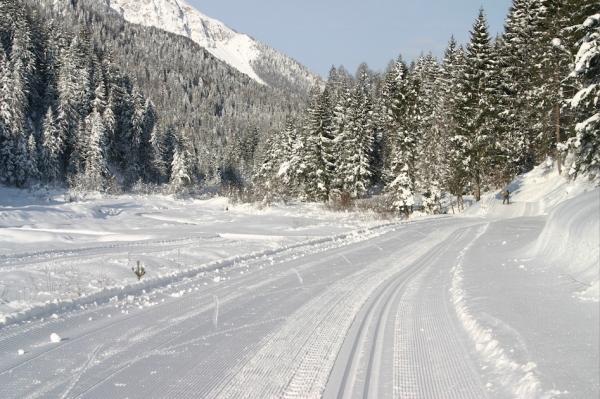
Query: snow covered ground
[{"x": 294, "y": 301}]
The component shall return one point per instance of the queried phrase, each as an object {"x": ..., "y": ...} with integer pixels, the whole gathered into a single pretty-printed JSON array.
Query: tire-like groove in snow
[
  {"x": 363, "y": 362},
  {"x": 277, "y": 337},
  {"x": 388, "y": 291},
  {"x": 296, "y": 359}
]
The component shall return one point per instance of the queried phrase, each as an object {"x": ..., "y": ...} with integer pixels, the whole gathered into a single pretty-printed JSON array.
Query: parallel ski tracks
[
  {"x": 289, "y": 349},
  {"x": 296, "y": 359},
  {"x": 174, "y": 315},
  {"x": 427, "y": 360}
]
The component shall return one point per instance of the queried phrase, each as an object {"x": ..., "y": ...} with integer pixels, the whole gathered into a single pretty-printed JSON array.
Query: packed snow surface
[{"x": 296, "y": 301}]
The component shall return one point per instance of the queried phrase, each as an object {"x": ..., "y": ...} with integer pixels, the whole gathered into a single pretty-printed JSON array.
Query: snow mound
[
  {"x": 54, "y": 337},
  {"x": 571, "y": 239}
]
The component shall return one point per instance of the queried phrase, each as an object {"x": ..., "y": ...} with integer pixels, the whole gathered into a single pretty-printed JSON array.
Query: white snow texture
[{"x": 298, "y": 302}]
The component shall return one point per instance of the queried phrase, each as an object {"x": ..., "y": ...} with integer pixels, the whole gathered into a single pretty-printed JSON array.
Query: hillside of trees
[
  {"x": 465, "y": 125},
  {"x": 93, "y": 102}
]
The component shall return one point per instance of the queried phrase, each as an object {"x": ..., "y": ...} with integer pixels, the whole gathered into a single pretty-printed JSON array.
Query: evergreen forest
[{"x": 95, "y": 103}]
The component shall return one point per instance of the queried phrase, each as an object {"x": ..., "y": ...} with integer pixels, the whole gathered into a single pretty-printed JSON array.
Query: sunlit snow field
[{"x": 522, "y": 288}]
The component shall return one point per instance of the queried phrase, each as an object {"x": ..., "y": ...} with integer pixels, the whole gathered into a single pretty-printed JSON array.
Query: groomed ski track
[{"x": 365, "y": 317}]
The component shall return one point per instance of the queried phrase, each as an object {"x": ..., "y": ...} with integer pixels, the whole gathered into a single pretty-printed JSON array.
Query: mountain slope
[
  {"x": 195, "y": 95},
  {"x": 258, "y": 61}
]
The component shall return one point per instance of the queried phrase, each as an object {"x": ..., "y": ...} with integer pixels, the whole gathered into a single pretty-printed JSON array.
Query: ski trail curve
[
  {"x": 519, "y": 380},
  {"x": 296, "y": 359},
  {"x": 410, "y": 314}
]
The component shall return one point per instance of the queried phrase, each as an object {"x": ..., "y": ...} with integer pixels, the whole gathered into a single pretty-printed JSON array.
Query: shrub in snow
[
  {"x": 139, "y": 271},
  {"x": 55, "y": 337}
]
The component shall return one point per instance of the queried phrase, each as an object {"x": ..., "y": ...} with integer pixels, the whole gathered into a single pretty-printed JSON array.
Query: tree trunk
[
  {"x": 477, "y": 189},
  {"x": 558, "y": 154}
]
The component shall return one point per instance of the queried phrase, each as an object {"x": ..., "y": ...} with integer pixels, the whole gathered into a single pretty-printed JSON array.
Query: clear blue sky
[{"x": 322, "y": 33}]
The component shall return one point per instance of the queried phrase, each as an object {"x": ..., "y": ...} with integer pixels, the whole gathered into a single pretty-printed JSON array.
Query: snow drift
[{"x": 570, "y": 239}]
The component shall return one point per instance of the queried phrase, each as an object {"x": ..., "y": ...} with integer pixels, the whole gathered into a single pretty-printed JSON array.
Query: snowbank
[{"x": 571, "y": 239}]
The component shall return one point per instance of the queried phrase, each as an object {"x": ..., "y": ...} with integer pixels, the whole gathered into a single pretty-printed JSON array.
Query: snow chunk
[{"x": 54, "y": 337}]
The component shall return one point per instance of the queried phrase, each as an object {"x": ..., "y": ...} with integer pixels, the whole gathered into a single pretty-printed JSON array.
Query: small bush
[{"x": 139, "y": 271}]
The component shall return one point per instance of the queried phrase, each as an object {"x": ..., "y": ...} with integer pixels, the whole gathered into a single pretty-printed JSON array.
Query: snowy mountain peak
[{"x": 238, "y": 50}]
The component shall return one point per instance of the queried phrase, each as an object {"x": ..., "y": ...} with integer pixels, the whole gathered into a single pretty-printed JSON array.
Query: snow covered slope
[
  {"x": 299, "y": 302},
  {"x": 238, "y": 50},
  {"x": 571, "y": 235},
  {"x": 531, "y": 194}
]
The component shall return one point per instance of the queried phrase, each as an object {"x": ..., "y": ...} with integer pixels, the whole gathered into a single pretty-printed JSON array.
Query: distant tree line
[
  {"x": 94, "y": 102},
  {"x": 467, "y": 124}
]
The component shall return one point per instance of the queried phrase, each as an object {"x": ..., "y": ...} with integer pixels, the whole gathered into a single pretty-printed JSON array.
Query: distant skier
[{"x": 506, "y": 196}]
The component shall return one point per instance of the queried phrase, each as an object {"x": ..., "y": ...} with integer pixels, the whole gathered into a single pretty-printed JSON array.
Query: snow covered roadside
[
  {"x": 532, "y": 194},
  {"x": 256, "y": 302},
  {"x": 60, "y": 254},
  {"x": 571, "y": 234},
  {"x": 570, "y": 240},
  {"x": 527, "y": 292}
]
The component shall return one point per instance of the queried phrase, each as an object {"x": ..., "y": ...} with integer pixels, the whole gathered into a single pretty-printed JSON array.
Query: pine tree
[
  {"x": 519, "y": 53},
  {"x": 429, "y": 169},
  {"x": 272, "y": 179},
  {"x": 157, "y": 144},
  {"x": 289, "y": 156},
  {"x": 353, "y": 133},
  {"x": 52, "y": 148},
  {"x": 340, "y": 146},
  {"x": 75, "y": 101},
  {"x": 318, "y": 156},
  {"x": 455, "y": 178},
  {"x": 182, "y": 176},
  {"x": 474, "y": 141},
  {"x": 361, "y": 121},
  {"x": 586, "y": 143},
  {"x": 96, "y": 174},
  {"x": 403, "y": 140},
  {"x": 562, "y": 17},
  {"x": 17, "y": 90}
]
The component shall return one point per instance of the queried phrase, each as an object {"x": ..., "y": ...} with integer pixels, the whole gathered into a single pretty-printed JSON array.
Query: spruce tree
[
  {"x": 289, "y": 157},
  {"x": 17, "y": 91},
  {"x": 317, "y": 155},
  {"x": 559, "y": 41},
  {"x": 52, "y": 148},
  {"x": 455, "y": 178},
  {"x": 474, "y": 141},
  {"x": 401, "y": 186},
  {"x": 182, "y": 176},
  {"x": 341, "y": 139},
  {"x": 519, "y": 53},
  {"x": 586, "y": 101},
  {"x": 430, "y": 170},
  {"x": 353, "y": 121},
  {"x": 96, "y": 174},
  {"x": 272, "y": 180}
]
